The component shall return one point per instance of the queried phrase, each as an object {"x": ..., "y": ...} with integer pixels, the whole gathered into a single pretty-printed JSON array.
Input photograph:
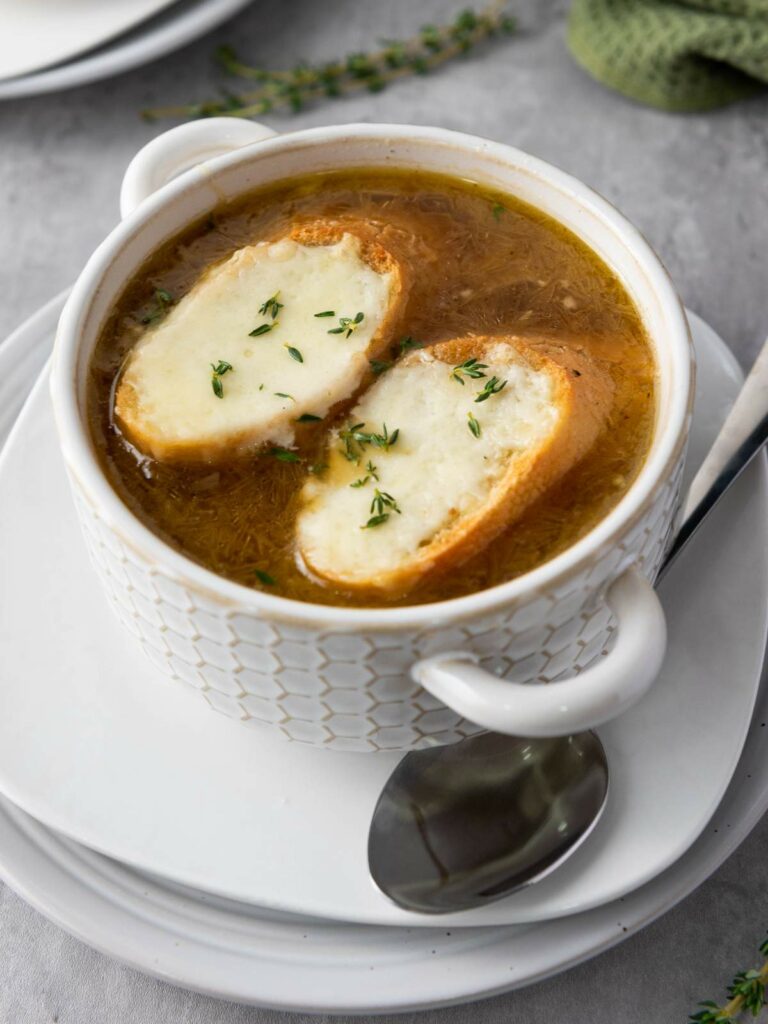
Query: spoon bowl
[{"x": 463, "y": 825}]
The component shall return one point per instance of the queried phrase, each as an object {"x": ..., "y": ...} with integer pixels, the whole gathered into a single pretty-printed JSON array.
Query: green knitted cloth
[{"x": 673, "y": 54}]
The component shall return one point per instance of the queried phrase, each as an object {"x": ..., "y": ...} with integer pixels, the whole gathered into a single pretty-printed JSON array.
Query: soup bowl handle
[
  {"x": 182, "y": 148},
  {"x": 595, "y": 695}
]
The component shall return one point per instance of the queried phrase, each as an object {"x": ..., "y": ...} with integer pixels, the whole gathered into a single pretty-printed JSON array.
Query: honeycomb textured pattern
[{"x": 353, "y": 691}]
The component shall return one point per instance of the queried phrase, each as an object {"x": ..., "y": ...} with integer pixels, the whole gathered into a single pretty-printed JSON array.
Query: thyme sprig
[
  {"x": 271, "y": 307},
  {"x": 348, "y": 324},
  {"x": 347, "y": 437},
  {"x": 382, "y": 506},
  {"x": 472, "y": 368},
  {"x": 217, "y": 372},
  {"x": 746, "y": 994},
  {"x": 305, "y": 83},
  {"x": 372, "y": 474},
  {"x": 355, "y": 440},
  {"x": 382, "y": 501},
  {"x": 492, "y": 387},
  {"x": 474, "y": 426},
  {"x": 384, "y": 440},
  {"x": 409, "y": 344},
  {"x": 284, "y": 455},
  {"x": 163, "y": 299},
  {"x": 379, "y": 366}
]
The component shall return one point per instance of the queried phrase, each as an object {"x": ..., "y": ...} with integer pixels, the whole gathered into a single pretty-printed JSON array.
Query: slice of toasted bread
[
  {"x": 394, "y": 507},
  {"x": 171, "y": 403}
]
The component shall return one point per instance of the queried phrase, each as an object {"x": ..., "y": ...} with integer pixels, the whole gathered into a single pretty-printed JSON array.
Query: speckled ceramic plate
[{"x": 222, "y": 808}]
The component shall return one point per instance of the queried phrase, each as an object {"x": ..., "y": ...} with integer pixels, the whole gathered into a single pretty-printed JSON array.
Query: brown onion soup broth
[{"x": 476, "y": 269}]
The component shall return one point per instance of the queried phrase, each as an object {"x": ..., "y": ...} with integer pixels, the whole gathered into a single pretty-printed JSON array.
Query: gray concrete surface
[{"x": 696, "y": 186}]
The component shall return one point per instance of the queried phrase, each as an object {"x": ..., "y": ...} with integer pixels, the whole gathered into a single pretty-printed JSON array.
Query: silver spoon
[{"x": 463, "y": 825}]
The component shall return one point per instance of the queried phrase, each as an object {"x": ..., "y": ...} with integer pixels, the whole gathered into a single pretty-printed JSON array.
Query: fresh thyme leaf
[
  {"x": 746, "y": 993},
  {"x": 309, "y": 417},
  {"x": 348, "y": 324},
  {"x": 271, "y": 306},
  {"x": 407, "y": 344},
  {"x": 283, "y": 394},
  {"x": 469, "y": 368},
  {"x": 371, "y": 474},
  {"x": 293, "y": 88},
  {"x": 283, "y": 455},
  {"x": 711, "y": 1014},
  {"x": 492, "y": 387},
  {"x": 326, "y": 312},
  {"x": 379, "y": 366},
  {"x": 474, "y": 426},
  {"x": 382, "y": 501},
  {"x": 163, "y": 299},
  {"x": 264, "y": 577},
  {"x": 375, "y": 521},
  {"x": 262, "y": 329},
  {"x": 751, "y": 988},
  {"x": 219, "y": 369},
  {"x": 385, "y": 440},
  {"x": 347, "y": 436},
  {"x": 355, "y": 440},
  {"x": 497, "y": 210},
  {"x": 318, "y": 467},
  {"x": 295, "y": 354}
]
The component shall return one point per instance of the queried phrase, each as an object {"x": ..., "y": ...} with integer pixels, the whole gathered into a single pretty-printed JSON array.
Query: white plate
[
  {"x": 39, "y": 33},
  {"x": 220, "y": 807},
  {"x": 168, "y": 31},
  {"x": 254, "y": 956}
]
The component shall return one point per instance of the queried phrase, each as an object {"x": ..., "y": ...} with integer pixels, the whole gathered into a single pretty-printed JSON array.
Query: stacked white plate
[
  {"x": 227, "y": 861},
  {"x": 50, "y": 45}
]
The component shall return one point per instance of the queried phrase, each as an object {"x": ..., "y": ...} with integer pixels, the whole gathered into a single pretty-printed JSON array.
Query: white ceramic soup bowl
[{"x": 562, "y": 648}]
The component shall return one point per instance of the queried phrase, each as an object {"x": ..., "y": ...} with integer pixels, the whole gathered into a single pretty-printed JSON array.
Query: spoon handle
[{"x": 743, "y": 434}]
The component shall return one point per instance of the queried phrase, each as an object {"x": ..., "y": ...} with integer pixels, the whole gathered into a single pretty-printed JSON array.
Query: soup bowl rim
[{"x": 84, "y": 466}]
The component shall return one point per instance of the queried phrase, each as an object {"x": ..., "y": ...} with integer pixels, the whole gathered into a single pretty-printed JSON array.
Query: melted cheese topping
[
  {"x": 165, "y": 399},
  {"x": 437, "y": 471}
]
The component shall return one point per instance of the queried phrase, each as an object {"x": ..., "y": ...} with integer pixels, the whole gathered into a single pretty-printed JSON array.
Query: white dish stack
[{"x": 50, "y": 45}]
